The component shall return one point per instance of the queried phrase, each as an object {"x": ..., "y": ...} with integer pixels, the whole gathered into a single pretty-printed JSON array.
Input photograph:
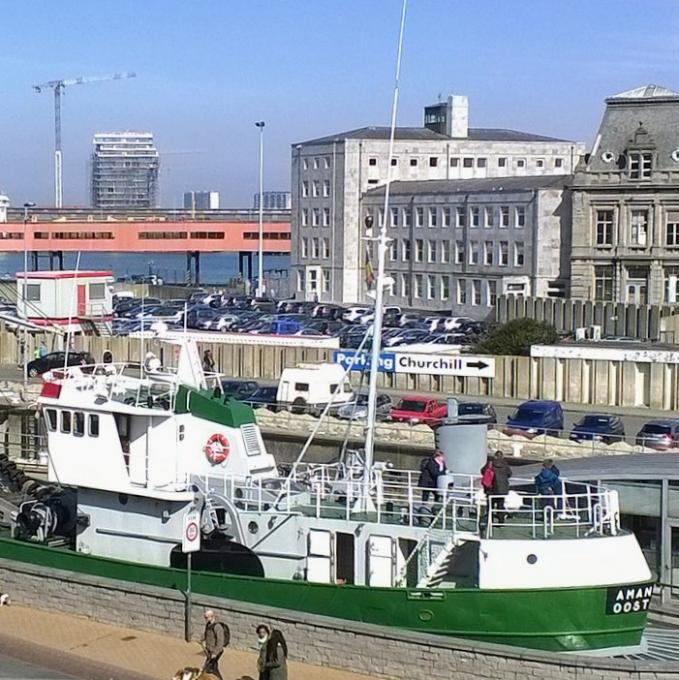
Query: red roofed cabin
[{"x": 52, "y": 297}]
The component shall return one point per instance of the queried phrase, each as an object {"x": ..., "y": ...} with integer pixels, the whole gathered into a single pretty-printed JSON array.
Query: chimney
[{"x": 458, "y": 116}]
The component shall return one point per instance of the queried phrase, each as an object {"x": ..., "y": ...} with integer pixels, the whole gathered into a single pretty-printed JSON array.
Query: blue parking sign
[{"x": 360, "y": 361}]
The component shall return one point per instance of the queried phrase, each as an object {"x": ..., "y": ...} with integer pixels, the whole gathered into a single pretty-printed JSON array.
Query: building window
[
  {"x": 380, "y": 217},
  {"x": 406, "y": 217},
  {"x": 315, "y": 217},
  {"x": 326, "y": 162},
  {"x": 445, "y": 287},
  {"x": 394, "y": 161},
  {"x": 432, "y": 251},
  {"x": 326, "y": 281},
  {"x": 475, "y": 217},
  {"x": 315, "y": 188},
  {"x": 640, "y": 165},
  {"x": 473, "y": 253},
  {"x": 431, "y": 287},
  {"x": 639, "y": 228},
  {"x": 391, "y": 286},
  {"x": 558, "y": 162},
  {"x": 326, "y": 248},
  {"x": 419, "y": 250},
  {"x": 454, "y": 162},
  {"x": 460, "y": 217},
  {"x": 433, "y": 217},
  {"x": 433, "y": 161},
  {"x": 405, "y": 285},
  {"x": 393, "y": 250},
  {"x": 326, "y": 217},
  {"x": 504, "y": 216},
  {"x": 502, "y": 162},
  {"x": 316, "y": 164},
  {"x": 326, "y": 188},
  {"x": 301, "y": 283},
  {"x": 461, "y": 285},
  {"x": 419, "y": 217},
  {"x": 405, "y": 255},
  {"x": 504, "y": 254},
  {"x": 467, "y": 162},
  {"x": 490, "y": 218},
  {"x": 521, "y": 163},
  {"x": 540, "y": 163},
  {"x": 372, "y": 161},
  {"x": 305, "y": 248},
  {"x": 305, "y": 189},
  {"x": 488, "y": 247},
  {"x": 604, "y": 227},
  {"x": 672, "y": 230},
  {"x": 446, "y": 217},
  {"x": 519, "y": 256},
  {"x": 314, "y": 248},
  {"x": 419, "y": 286},
  {"x": 603, "y": 283},
  {"x": 97, "y": 291},
  {"x": 481, "y": 162},
  {"x": 519, "y": 217},
  {"x": 445, "y": 252},
  {"x": 459, "y": 252},
  {"x": 491, "y": 295},
  {"x": 413, "y": 162},
  {"x": 671, "y": 287},
  {"x": 305, "y": 217},
  {"x": 476, "y": 292},
  {"x": 305, "y": 163},
  {"x": 394, "y": 217}
]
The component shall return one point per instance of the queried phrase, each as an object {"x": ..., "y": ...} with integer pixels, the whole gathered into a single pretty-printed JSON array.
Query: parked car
[
  {"x": 358, "y": 409},
  {"x": 354, "y": 313},
  {"x": 57, "y": 360},
  {"x": 598, "y": 427},
  {"x": 263, "y": 397},
  {"x": 239, "y": 389},
  {"x": 419, "y": 410},
  {"x": 536, "y": 417},
  {"x": 472, "y": 412},
  {"x": 660, "y": 435},
  {"x": 405, "y": 337}
]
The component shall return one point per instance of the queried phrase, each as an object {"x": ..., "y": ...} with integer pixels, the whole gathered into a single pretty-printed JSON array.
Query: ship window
[
  {"x": 94, "y": 426},
  {"x": 78, "y": 423},
  {"x": 51, "y": 419},
  {"x": 66, "y": 422}
]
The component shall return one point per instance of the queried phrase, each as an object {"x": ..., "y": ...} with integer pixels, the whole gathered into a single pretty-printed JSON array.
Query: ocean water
[{"x": 216, "y": 268}]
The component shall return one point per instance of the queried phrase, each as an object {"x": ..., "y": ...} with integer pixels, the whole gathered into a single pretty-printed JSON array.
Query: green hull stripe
[{"x": 566, "y": 619}]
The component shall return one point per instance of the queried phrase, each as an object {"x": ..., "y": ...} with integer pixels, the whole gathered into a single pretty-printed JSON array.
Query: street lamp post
[
  {"x": 260, "y": 258},
  {"x": 24, "y": 345}
]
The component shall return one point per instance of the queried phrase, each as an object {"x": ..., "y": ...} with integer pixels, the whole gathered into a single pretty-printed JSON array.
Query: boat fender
[{"x": 217, "y": 449}]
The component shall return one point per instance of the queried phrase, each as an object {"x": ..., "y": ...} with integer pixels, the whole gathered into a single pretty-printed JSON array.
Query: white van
[{"x": 309, "y": 387}]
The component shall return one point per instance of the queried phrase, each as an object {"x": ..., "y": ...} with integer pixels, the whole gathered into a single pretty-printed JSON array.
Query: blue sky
[{"x": 207, "y": 69}]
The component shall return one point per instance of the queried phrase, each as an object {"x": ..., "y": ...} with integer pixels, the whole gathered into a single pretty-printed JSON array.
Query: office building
[
  {"x": 124, "y": 170},
  {"x": 201, "y": 200},
  {"x": 331, "y": 175},
  {"x": 626, "y": 203},
  {"x": 273, "y": 200}
]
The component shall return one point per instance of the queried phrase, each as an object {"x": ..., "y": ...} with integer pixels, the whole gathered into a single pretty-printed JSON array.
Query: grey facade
[
  {"x": 273, "y": 200},
  {"x": 626, "y": 203},
  {"x": 201, "y": 200},
  {"x": 124, "y": 170},
  {"x": 458, "y": 244},
  {"x": 331, "y": 175}
]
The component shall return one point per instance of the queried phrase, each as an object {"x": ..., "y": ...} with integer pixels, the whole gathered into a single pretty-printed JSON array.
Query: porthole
[
  {"x": 607, "y": 156},
  {"x": 675, "y": 155},
  {"x": 532, "y": 558},
  {"x": 253, "y": 527}
]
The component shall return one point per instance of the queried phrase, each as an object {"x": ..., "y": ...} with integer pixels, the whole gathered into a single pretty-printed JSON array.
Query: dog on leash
[
  {"x": 4, "y": 600},
  {"x": 190, "y": 673}
]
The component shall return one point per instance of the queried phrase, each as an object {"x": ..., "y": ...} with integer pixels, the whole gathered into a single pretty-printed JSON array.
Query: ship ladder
[{"x": 438, "y": 567}]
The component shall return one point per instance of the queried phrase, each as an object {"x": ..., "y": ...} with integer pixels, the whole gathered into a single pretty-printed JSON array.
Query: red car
[{"x": 419, "y": 410}]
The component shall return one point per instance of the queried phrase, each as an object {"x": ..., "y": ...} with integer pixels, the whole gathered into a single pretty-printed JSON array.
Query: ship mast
[{"x": 382, "y": 243}]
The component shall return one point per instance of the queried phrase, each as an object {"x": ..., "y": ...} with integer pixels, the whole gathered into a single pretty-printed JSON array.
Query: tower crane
[{"x": 58, "y": 86}]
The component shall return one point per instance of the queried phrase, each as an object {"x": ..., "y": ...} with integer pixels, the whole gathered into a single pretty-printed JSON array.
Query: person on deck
[
  {"x": 430, "y": 470},
  {"x": 495, "y": 476},
  {"x": 208, "y": 362}
]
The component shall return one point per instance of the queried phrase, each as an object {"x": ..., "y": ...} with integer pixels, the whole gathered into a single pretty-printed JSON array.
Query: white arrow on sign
[{"x": 445, "y": 364}]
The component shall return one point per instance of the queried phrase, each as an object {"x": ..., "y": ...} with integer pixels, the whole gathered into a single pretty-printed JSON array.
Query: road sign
[
  {"x": 444, "y": 364},
  {"x": 360, "y": 361},
  {"x": 191, "y": 533}
]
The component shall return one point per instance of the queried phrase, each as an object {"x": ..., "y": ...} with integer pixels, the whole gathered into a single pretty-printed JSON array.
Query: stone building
[
  {"x": 458, "y": 244},
  {"x": 626, "y": 202},
  {"x": 330, "y": 176}
]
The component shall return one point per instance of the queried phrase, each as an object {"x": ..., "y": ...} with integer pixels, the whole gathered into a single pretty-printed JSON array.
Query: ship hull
[{"x": 581, "y": 619}]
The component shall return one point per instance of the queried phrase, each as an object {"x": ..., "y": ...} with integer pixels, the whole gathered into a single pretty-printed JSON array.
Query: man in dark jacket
[
  {"x": 431, "y": 469},
  {"x": 214, "y": 640},
  {"x": 500, "y": 486}
]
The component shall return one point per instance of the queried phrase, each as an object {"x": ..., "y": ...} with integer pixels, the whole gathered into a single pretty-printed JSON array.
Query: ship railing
[{"x": 124, "y": 382}]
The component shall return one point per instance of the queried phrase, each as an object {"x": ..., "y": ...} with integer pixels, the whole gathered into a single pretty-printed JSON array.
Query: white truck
[{"x": 308, "y": 388}]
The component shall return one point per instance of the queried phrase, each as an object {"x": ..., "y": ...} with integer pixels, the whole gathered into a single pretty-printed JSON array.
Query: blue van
[
  {"x": 536, "y": 417},
  {"x": 285, "y": 326}
]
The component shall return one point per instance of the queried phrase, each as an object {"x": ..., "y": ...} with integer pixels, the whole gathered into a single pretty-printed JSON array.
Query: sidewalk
[{"x": 74, "y": 644}]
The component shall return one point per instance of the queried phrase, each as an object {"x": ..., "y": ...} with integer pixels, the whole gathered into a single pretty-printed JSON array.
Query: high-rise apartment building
[
  {"x": 273, "y": 200},
  {"x": 124, "y": 170},
  {"x": 201, "y": 200}
]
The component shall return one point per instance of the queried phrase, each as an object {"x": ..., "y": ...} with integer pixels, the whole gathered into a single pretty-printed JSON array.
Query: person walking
[
  {"x": 208, "y": 362},
  {"x": 273, "y": 654},
  {"x": 215, "y": 638},
  {"x": 430, "y": 470}
]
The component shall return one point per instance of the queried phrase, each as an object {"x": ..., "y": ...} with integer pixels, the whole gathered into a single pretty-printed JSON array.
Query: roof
[
  {"x": 466, "y": 186},
  {"x": 631, "y": 467},
  {"x": 422, "y": 133},
  {"x": 646, "y": 92},
  {"x": 66, "y": 274}
]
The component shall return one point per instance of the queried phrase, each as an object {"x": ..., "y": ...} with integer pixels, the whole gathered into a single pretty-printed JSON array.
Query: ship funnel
[{"x": 464, "y": 444}]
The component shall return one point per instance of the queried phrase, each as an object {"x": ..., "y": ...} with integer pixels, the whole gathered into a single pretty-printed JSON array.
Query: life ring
[{"x": 217, "y": 449}]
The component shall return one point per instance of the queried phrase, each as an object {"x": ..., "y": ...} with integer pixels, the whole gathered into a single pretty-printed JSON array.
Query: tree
[{"x": 516, "y": 337}]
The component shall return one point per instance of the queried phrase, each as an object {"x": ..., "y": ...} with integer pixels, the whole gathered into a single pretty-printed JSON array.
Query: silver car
[{"x": 358, "y": 410}]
